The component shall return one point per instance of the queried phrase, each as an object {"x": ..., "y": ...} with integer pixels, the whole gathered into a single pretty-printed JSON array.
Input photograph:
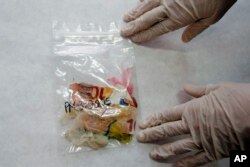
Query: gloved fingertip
[
  {"x": 186, "y": 38},
  {"x": 127, "y": 30},
  {"x": 157, "y": 155},
  {"x": 140, "y": 137},
  {"x": 194, "y": 30},
  {"x": 123, "y": 33},
  {"x": 142, "y": 125},
  {"x": 138, "y": 38},
  {"x": 153, "y": 155},
  {"x": 195, "y": 91},
  {"x": 188, "y": 87},
  {"x": 126, "y": 18}
]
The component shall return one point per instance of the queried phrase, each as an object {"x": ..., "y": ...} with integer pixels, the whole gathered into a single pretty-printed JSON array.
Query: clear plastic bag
[{"x": 95, "y": 86}]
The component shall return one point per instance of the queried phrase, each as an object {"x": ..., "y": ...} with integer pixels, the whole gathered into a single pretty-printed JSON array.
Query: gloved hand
[
  {"x": 218, "y": 121},
  {"x": 152, "y": 18}
]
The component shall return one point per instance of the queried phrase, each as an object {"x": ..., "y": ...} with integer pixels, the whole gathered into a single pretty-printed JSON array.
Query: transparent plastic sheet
[{"x": 95, "y": 88}]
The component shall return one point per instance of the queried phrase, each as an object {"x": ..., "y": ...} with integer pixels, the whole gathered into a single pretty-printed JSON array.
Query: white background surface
[{"x": 28, "y": 134}]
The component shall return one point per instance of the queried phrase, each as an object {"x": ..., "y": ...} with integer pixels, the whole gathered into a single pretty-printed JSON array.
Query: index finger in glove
[
  {"x": 169, "y": 129},
  {"x": 172, "y": 114},
  {"x": 143, "y": 7},
  {"x": 143, "y": 22},
  {"x": 158, "y": 29},
  {"x": 198, "y": 91}
]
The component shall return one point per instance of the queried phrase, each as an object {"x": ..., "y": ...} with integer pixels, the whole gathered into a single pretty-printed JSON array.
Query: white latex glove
[
  {"x": 217, "y": 121},
  {"x": 152, "y": 18}
]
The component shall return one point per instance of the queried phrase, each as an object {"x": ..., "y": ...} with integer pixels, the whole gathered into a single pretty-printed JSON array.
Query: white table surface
[{"x": 28, "y": 134}]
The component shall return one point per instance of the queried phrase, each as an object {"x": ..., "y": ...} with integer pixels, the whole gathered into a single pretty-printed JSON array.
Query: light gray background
[{"x": 28, "y": 134}]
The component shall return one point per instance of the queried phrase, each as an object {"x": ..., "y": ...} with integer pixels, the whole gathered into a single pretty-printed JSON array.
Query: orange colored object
[
  {"x": 95, "y": 123},
  {"x": 109, "y": 111},
  {"x": 82, "y": 91}
]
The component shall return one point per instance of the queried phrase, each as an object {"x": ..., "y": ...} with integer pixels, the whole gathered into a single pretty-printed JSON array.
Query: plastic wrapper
[{"x": 95, "y": 86}]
